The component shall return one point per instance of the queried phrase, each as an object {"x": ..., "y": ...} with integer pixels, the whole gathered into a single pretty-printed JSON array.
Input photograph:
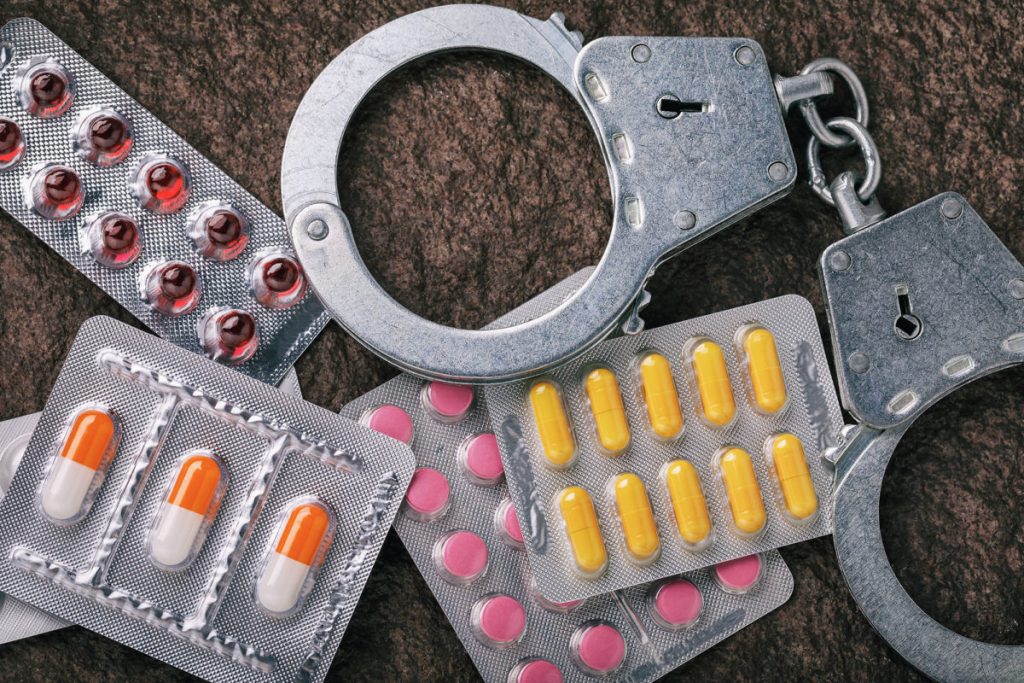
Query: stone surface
[{"x": 474, "y": 183}]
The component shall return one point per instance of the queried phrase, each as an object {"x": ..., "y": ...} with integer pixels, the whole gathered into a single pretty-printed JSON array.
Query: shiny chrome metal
[{"x": 680, "y": 107}]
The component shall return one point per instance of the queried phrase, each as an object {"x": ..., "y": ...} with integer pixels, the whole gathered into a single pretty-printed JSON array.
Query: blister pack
[
  {"x": 460, "y": 527},
  {"x": 17, "y": 619},
  {"x": 673, "y": 449},
  {"x": 195, "y": 514},
  {"x": 142, "y": 214}
]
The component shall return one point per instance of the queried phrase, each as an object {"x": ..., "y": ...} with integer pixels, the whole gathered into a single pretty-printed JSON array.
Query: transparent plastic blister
[
  {"x": 699, "y": 403},
  {"x": 237, "y": 466},
  {"x": 120, "y": 196},
  {"x": 461, "y": 530}
]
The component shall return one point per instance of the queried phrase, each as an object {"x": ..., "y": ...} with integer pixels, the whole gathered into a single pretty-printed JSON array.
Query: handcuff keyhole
[
  {"x": 908, "y": 326},
  {"x": 670, "y": 106}
]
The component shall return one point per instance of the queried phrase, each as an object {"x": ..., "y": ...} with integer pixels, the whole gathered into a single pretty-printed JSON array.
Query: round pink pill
[
  {"x": 551, "y": 605},
  {"x": 739, "y": 575},
  {"x": 481, "y": 460},
  {"x": 428, "y": 495},
  {"x": 599, "y": 648},
  {"x": 510, "y": 523},
  {"x": 499, "y": 621},
  {"x": 676, "y": 604},
  {"x": 390, "y": 421},
  {"x": 461, "y": 556},
  {"x": 447, "y": 402},
  {"x": 535, "y": 670}
]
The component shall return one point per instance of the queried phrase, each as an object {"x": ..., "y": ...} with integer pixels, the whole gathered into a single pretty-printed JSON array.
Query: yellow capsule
[
  {"x": 766, "y": 380},
  {"x": 688, "y": 504},
  {"x": 743, "y": 491},
  {"x": 552, "y": 424},
  {"x": 717, "y": 403},
  {"x": 637, "y": 519},
  {"x": 660, "y": 396},
  {"x": 793, "y": 477},
  {"x": 583, "y": 531},
  {"x": 609, "y": 414}
]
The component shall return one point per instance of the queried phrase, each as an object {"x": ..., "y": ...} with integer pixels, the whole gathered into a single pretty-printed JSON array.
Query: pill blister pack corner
[
  {"x": 143, "y": 214},
  {"x": 195, "y": 514},
  {"x": 708, "y": 444},
  {"x": 461, "y": 530}
]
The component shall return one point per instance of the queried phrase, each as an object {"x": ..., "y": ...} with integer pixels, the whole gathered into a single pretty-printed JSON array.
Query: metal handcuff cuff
[
  {"x": 919, "y": 305},
  {"x": 692, "y": 134}
]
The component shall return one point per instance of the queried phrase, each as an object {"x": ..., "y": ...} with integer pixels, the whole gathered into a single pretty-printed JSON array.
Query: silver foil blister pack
[
  {"x": 143, "y": 214},
  {"x": 300, "y": 504},
  {"x": 459, "y": 526},
  {"x": 746, "y": 441}
]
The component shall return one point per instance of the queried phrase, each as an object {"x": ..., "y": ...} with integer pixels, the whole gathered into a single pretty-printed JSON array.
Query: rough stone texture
[{"x": 474, "y": 183}]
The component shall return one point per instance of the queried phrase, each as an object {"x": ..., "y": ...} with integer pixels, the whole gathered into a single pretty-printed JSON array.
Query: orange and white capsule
[
  {"x": 187, "y": 512},
  {"x": 79, "y": 466},
  {"x": 300, "y": 545}
]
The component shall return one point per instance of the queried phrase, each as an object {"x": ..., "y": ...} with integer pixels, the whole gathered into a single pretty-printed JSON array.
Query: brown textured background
[{"x": 474, "y": 183}]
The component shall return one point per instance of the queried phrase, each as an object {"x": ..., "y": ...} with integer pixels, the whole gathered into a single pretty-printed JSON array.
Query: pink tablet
[
  {"x": 551, "y": 605},
  {"x": 447, "y": 402},
  {"x": 499, "y": 621},
  {"x": 480, "y": 459},
  {"x": 675, "y": 604},
  {"x": 740, "y": 575},
  {"x": 598, "y": 648},
  {"x": 506, "y": 524},
  {"x": 535, "y": 670},
  {"x": 428, "y": 496},
  {"x": 461, "y": 557},
  {"x": 390, "y": 421}
]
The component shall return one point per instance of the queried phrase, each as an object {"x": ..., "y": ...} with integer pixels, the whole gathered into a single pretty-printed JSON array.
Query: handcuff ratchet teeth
[{"x": 692, "y": 134}]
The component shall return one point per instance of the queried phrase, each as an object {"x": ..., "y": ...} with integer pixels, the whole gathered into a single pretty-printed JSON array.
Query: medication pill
[
  {"x": 606, "y": 408},
  {"x": 460, "y": 557},
  {"x": 792, "y": 477},
  {"x": 187, "y": 512},
  {"x": 534, "y": 670},
  {"x": 767, "y": 384},
  {"x": 742, "y": 490},
  {"x": 675, "y": 604},
  {"x": 102, "y": 136},
  {"x": 499, "y": 621},
  {"x": 480, "y": 459},
  {"x": 276, "y": 280},
  {"x": 218, "y": 230},
  {"x": 639, "y": 530},
  {"x": 300, "y": 546},
  {"x": 12, "y": 144},
  {"x": 598, "y": 648},
  {"x": 552, "y": 424},
  {"x": 658, "y": 389},
  {"x": 55, "y": 192},
  {"x": 740, "y": 575},
  {"x": 551, "y": 605},
  {"x": 389, "y": 420},
  {"x": 113, "y": 239},
  {"x": 428, "y": 495},
  {"x": 172, "y": 288},
  {"x": 717, "y": 405},
  {"x": 44, "y": 88},
  {"x": 160, "y": 183},
  {"x": 689, "y": 506},
  {"x": 448, "y": 403},
  {"x": 506, "y": 524},
  {"x": 581, "y": 527},
  {"x": 87, "y": 448},
  {"x": 229, "y": 335}
]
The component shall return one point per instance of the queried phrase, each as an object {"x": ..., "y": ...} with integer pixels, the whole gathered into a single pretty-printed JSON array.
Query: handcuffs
[{"x": 693, "y": 135}]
